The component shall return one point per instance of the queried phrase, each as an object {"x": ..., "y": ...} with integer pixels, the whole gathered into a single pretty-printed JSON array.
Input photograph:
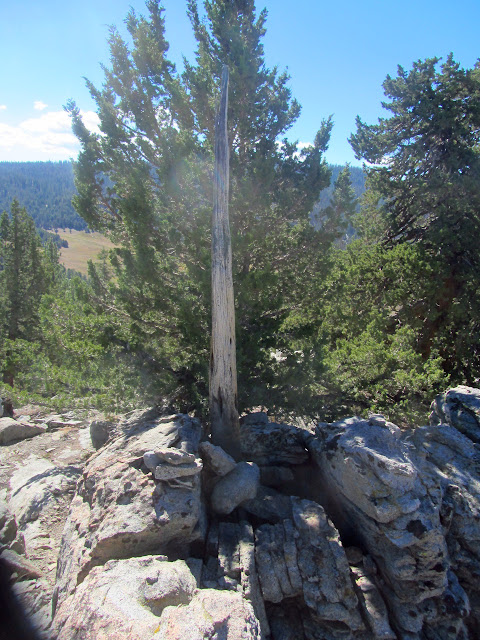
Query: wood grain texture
[{"x": 223, "y": 367}]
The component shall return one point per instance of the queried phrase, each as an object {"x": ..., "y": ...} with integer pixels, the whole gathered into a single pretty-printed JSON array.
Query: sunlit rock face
[
  {"x": 353, "y": 530},
  {"x": 124, "y": 509}
]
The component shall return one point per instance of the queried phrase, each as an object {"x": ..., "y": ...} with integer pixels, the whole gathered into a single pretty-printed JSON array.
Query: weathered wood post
[{"x": 223, "y": 366}]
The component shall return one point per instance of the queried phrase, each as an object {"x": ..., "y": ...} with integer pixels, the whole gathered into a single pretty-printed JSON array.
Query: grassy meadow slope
[{"x": 82, "y": 247}]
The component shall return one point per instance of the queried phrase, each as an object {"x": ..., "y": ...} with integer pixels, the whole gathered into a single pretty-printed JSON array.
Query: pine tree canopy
[
  {"x": 21, "y": 273},
  {"x": 146, "y": 180},
  {"x": 423, "y": 187},
  {"x": 426, "y": 156}
]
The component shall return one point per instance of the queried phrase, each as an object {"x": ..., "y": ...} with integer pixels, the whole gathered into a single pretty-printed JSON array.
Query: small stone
[
  {"x": 12, "y": 430},
  {"x": 218, "y": 460},
  {"x": 151, "y": 460},
  {"x": 237, "y": 486},
  {"x": 169, "y": 472},
  {"x": 100, "y": 431},
  {"x": 174, "y": 456}
]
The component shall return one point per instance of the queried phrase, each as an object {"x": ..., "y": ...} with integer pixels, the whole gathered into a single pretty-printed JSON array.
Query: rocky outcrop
[
  {"x": 454, "y": 462},
  {"x": 122, "y": 509},
  {"x": 304, "y": 558},
  {"x": 350, "y": 530},
  {"x": 270, "y": 443},
  {"x": 391, "y": 509},
  {"x": 460, "y": 408},
  {"x": 11, "y": 430},
  {"x": 124, "y": 599},
  {"x": 38, "y": 478},
  {"x": 210, "y": 615}
]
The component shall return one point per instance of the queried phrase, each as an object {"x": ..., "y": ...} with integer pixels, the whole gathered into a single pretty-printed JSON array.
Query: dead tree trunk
[{"x": 223, "y": 366}]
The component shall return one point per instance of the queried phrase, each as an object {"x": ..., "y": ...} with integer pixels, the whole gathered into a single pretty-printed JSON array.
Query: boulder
[
  {"x": 40, "y": 499},
  {"x": 269, "y": 505},
  {"x": 270, "y": 443},
  {"x": 391, "y": 508},
  {"x": 216, "y": 459},
  {"x": 371, "y": 601},
  {"x": 40, "y": 487},
  {"x": 210, "y": 614},
  {"x": 11, "y": 430},
  {"x": 449, "y": 456},
  {"x": 8, "y": 526},
  {"x": 100, "y": 431},
  {"x": 230, "y": 564},
  {"x": 125, "y": 599},
  {"x": 35, "y": 598},
  {"x": 121, "y": 509},
  {"x": 238, "y": 485},
  {"x": 276, "y": 476},
  {"x": 303, "y": 558},
  {"x": 460, "y": 408}
]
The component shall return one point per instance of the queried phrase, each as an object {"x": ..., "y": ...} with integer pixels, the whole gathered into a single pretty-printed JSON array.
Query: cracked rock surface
[{"x": 353, "y": 530}]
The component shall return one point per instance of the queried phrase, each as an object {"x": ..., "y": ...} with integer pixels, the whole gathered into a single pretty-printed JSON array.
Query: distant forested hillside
[
  {"x": 357, "y": 178},
  {"x": 45, "y": 189}
]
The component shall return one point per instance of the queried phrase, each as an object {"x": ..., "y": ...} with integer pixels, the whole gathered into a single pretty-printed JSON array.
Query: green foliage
[
  {"x": 424, "y": 188},
  {"x": 371, "y": 330},
  {"x": 45, "y": 189},
  {"x": 327, "y": 325},
  {"x": 146, "y": 181},
  {"x": 335, "y": 220},
  {"x": 21, "y": 273},
  {"x": 426, "y": 157}
]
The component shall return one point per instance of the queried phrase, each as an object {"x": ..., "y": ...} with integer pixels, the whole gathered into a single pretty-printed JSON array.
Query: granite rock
[
  {"x": 11, "y": 430},
  {"x": 392, "y": 507},
  {"x": 236, "y": 487},
  {"x": 210, "y": 615},
  {"x": 216, "y": 459},
  {"x": 460, "y": 408},
  {"x": 270, "y": 443},
  {"x": 121, "y": 510},
  {"x": 100, "y": 432},
  {"x": 124, "y": 599}
]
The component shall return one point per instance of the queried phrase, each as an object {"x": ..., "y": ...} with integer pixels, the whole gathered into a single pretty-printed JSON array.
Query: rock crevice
[{"x": 353, "y": 529}]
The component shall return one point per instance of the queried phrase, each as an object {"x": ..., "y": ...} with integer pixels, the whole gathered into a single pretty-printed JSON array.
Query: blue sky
[{"x": 337, "y": 53}]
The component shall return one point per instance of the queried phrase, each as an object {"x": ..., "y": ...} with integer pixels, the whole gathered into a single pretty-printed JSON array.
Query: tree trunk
[{"x": 223, "y": 367}]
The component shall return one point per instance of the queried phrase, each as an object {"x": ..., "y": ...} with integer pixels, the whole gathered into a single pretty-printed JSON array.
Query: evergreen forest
[
  {"x": 45, "y": 189},
  {"x": 350, "y": 298}
]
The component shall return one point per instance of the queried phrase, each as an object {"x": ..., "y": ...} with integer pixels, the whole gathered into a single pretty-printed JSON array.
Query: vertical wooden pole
[{"x": 223, "y": 366}]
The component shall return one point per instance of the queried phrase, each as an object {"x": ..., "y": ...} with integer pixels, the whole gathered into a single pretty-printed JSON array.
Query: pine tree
[
  {"x": 21, "y": 274},
  {"x": 424, "y": 187},
  {"x": 426, "y": 154},
  {"x": 21, "y": 284},
  {"x": 335, "y": 219},
  {"x": 147, "y": 181}
]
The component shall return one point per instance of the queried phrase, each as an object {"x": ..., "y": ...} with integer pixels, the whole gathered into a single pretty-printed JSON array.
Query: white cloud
[
  {"x": 51, "y": 121},
  {"x": 46, "y": 137},
  {"x": 91, "y": 121},
  {"x": 300, "y": 147},
  {"x": 3, "y": 107},
  {"x": 38, "y": 105}
]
